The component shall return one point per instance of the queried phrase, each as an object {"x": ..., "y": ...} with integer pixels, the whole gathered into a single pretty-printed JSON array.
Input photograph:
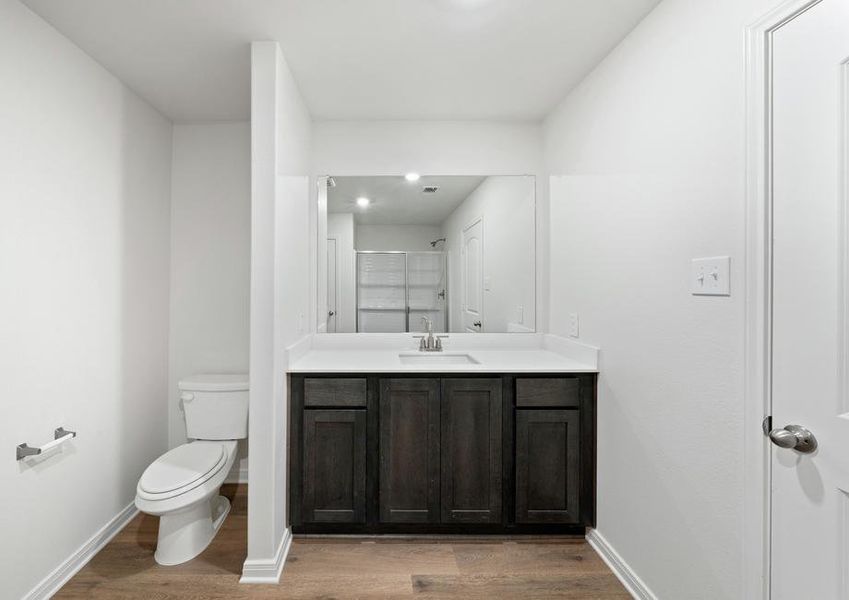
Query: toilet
[{"x": 181, "y": 486}]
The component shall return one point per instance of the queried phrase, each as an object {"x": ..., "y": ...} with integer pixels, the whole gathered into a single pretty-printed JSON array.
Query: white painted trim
[
  {"x": 758, "y": 330},
  {"x": 632, "y": 582},
  {"x": 72, "y": 565},
  {"x": 268, "y": 570},
  {"x": 298, "y": 349}
]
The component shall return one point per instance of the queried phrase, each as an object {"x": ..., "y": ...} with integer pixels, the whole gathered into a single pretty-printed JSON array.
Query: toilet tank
[{"x": 216, "y": 406}]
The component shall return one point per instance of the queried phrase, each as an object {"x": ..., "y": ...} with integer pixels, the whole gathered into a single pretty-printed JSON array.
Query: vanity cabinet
[
  {"x": 549, "y": 444},
  {"x": 334, "y": 466},
  {"x": 470, "y": 448},
  {"x": 409, "y": 451},
  {"x": 442, "y": 453},
  {"x": 547, "y": 466}
]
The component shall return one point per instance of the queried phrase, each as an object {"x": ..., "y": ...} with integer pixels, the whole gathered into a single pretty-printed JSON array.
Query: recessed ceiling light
[
  {"x": 412, "y": 176},
  {"x": 363, "y": 201}
]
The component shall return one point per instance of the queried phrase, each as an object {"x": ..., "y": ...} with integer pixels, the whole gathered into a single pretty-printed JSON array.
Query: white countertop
[{"x": 494, "y": 353}]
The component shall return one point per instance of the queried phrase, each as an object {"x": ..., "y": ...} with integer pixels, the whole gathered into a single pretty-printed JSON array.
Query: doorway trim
[
  {"x": 759, "y": 287},
  {"x": 337, "y": 281}
]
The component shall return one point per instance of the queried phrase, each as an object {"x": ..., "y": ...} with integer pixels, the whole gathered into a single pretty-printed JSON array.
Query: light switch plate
[{"x": 711, "y": 276}]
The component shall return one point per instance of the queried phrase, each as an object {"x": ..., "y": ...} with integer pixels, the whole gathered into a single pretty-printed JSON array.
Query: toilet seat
[{"x": 181, "y": 470}]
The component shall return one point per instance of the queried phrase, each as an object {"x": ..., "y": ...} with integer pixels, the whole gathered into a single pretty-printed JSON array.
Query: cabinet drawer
[
  {"x": 341, "y": 391},
  {"x": 548, "y": 391}
]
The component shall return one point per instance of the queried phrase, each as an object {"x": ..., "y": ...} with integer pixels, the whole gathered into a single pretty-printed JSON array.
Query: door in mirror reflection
[{"x": 472, "y": 257}]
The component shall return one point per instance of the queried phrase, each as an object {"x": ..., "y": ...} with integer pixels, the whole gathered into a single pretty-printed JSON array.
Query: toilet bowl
[{"x": 182, "y": 486}]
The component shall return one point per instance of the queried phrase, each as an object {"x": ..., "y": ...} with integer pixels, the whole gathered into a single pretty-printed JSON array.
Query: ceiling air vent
[{"x": 430, "y": 189}]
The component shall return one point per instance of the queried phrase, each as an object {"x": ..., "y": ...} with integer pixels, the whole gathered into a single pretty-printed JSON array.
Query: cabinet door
[
  {"x": 334, "y": 484},
  {"x": 547, "y": 466},
  {"x": 409, "y": 450},
  {"x": 471, "y": 450}
]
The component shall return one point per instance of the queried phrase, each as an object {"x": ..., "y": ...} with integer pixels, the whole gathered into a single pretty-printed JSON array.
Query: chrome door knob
[{"x": 795, "y": 437}]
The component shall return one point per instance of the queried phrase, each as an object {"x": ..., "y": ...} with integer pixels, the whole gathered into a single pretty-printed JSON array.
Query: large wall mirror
[{"x": 396, "y": 251}]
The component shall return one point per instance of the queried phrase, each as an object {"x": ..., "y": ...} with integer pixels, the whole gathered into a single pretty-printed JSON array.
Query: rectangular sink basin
[{"x": 436, "y": 358}]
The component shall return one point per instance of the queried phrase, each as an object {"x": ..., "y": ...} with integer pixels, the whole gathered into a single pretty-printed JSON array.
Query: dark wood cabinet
[
  {"x": 548, "y": 391},
  {"x": 334, "y": 483},
  {"x": 409, "y": 451},
  {"x": 471, "y": 450},
  {"x": 547, "y": 466},
  {"x": 442, "y": 453},
  {"x": 337, "y": 392}
]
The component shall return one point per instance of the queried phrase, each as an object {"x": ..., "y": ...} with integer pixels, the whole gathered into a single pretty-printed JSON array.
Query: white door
[
  {"x": 810, "y": 491},
  {"x": 332, "y": 312},
  {"x": 472, "y": 274}
]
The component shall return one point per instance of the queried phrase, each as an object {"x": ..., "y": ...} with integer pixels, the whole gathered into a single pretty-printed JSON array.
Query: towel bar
[{"x": 60, "y": 436}]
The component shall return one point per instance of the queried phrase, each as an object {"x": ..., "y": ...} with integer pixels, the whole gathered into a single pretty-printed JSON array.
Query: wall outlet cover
[{"x": 573, "y": 325}]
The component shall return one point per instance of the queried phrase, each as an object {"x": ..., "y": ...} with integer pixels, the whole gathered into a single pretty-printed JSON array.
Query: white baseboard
[
  {"x": 268, "y": 570},
  {"x": 63, "y": 573},
  {"x": 620, "y": 568}
]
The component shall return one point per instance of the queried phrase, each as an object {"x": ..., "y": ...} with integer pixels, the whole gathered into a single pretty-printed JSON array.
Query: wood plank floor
[{"x": 348, "y": 567}]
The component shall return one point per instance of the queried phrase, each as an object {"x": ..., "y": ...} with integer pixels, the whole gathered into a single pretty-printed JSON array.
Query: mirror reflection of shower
[
  {"x": 397, "y": 290},
  {"x": 435, "y": 242}
]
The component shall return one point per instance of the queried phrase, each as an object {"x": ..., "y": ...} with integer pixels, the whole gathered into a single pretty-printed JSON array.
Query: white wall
[
  {"x": 396, "y": 237},
  {"x": 427, "y": 147},
  {"x": 506, "y": 205},
  {"x": 651, "y": 145},
  {"x": 84, "y": 245},
  {"x": 340, "y": 226},
  {"x": 282, "y": 289},
  {"x": 440, "y": 148},
  {"x": 210, "y": 259}
]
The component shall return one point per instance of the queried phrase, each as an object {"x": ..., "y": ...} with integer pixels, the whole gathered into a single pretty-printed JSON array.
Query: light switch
[
  {"x": 487, "y": 284},
  {"x": 711, "y": 276},
  {"x": 573, "y": 325}
]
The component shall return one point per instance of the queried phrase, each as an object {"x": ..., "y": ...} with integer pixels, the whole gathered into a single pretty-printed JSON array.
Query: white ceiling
[
  {"x": 396, "y": 201},
  {"x": 352, "y": 59}
]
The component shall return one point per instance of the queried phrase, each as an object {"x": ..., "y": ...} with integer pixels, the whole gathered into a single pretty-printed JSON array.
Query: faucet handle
[
  {"x": 422, "y": 342},
  {"x": 439, "y": 339}
]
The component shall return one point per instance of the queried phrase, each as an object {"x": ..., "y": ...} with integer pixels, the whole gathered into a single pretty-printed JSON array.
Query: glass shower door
[
  {"x": 427, "y": 290},
  {"x": 381, "y": 292}
]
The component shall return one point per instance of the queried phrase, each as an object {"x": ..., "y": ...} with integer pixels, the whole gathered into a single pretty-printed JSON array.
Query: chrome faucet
[{"x": 429, "y": 342}]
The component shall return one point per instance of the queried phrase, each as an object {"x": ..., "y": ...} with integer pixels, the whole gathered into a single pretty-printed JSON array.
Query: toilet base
[{"x": 186, "y": 533}]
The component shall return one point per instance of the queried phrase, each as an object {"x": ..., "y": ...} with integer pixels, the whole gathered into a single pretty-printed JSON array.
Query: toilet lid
[{"x": 181, "y": 466}]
